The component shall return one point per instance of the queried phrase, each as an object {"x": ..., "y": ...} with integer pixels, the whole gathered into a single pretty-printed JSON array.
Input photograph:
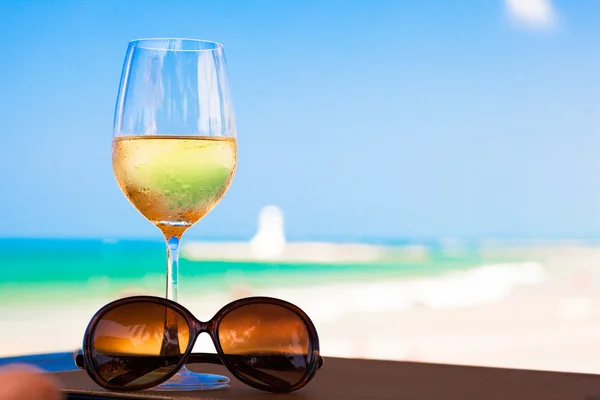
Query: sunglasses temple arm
[
  {"x": 210, "y": 358},
  {"x": 321, "y": 362},
  {"x": 207, "y": 358},
  {"x": 204, "y": 358},
  {"x": 78, "y": 358}
]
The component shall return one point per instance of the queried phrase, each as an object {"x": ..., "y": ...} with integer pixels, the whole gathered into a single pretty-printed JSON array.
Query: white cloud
[{"x": 538, "y": 14}]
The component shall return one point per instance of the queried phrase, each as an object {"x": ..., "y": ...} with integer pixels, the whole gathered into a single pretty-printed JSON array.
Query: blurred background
[{"x": 429, "y": 167}]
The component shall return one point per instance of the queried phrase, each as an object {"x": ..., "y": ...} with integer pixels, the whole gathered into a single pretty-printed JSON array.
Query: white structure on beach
[{"x": 269, "y": 240}]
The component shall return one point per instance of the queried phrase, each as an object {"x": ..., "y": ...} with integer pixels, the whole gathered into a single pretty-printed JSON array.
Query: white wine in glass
[
  {"x": 174, "y": 181},
  {"x": 174, "y": 150}
]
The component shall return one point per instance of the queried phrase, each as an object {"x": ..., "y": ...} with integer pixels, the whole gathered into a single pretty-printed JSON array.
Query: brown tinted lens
[
  {"x": 138, "y": 343},
  {"x": 267, "y": 344}
]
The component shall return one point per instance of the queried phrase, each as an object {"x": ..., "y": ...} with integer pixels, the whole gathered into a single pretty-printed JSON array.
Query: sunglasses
[{"x": 139, "y": 342}]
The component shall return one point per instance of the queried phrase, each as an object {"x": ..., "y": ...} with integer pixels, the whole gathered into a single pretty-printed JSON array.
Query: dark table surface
[{"x": 362, "y": 379}]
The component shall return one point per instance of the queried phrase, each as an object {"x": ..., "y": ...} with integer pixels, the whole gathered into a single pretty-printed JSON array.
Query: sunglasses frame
[{"x": 198, "y": 327}]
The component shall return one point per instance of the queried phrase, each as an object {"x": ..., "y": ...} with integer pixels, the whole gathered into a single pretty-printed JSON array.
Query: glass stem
[{"x": 172, "y": 266}]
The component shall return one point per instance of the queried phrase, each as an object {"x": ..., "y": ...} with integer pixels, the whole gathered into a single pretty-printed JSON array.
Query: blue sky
[{"x": 358, "y": 118}]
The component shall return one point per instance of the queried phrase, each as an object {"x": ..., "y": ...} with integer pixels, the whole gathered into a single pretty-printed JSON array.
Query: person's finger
[{"x": 25, "y": 382}]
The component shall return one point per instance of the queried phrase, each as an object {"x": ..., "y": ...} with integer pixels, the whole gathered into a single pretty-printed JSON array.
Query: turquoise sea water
[{"x": 47, "y": 269}]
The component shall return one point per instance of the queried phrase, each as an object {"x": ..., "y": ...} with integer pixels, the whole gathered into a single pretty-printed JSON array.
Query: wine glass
[{"x": 174, "y": 148}]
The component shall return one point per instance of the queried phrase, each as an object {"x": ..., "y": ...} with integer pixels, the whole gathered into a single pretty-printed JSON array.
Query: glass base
[{"x": 186, "y": 380}]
